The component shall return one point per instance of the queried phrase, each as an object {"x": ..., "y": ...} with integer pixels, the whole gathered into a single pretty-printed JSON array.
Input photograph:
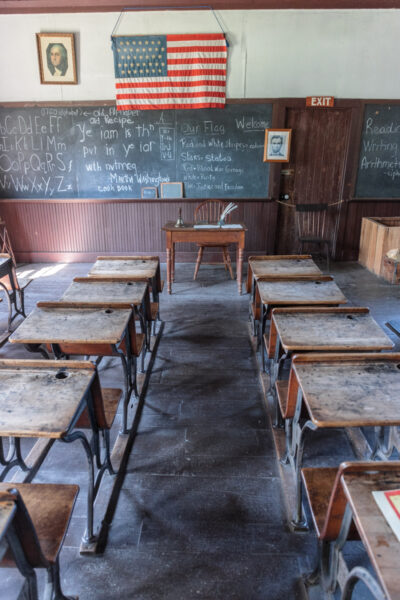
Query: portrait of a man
[
  {"x": 56, "y": 58},
  {"x": 277, "y": 145}
]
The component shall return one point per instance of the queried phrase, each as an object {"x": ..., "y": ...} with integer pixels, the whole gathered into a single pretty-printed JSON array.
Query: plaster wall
[{"x": 272, "y": 53}]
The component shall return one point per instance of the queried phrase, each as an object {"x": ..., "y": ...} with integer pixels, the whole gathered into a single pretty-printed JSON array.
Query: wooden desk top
[
  {"x": 170, "y": 226},
  {"x": 92, "y": 291},
  {"x": 329, "y": 329},
  {"x": 300, "y": 292},
  {"x": 72, "y": 325},
  {"x": 378, "y": 538},
  {"x": 125, "y": 267},
  {"x": 41, "y": 398},
  {"x": 350, "y": 390},
  {"x": 135, "y": 267},
  {"x": 285, "y": 266}
]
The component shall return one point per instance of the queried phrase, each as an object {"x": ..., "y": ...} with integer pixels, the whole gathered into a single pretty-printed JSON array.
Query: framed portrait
[
  {"x": 56, "y": 52},
  {"x": 277, "y": 145},
  {"x": 149, "y": 192},
  {"x": 172, "y": 189}
]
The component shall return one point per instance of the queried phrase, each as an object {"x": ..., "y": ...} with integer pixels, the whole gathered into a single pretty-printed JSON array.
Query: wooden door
[{"x": 315, "y": 173}]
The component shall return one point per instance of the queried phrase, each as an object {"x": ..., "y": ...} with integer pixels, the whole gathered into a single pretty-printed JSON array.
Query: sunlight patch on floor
[{"x": 43, "y": 272}]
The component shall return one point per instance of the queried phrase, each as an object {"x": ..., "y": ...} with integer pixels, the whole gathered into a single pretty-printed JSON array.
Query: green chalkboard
[
  {"x": 98, "y": 152},
  {"x": 379, "y": 164}
]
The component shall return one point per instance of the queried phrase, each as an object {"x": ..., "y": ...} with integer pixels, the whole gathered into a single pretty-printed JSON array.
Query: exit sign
[{"x": 320, "y": 101}]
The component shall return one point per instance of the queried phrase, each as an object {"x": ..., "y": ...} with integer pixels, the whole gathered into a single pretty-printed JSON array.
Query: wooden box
[{"x": 378, "y": 235}]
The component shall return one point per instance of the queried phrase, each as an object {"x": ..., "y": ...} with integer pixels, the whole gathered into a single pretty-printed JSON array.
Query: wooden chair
[
  {"x": 36, "y": 532},
  {"x": 312, "y": 227},
  {"x": 210, "y": 211}
]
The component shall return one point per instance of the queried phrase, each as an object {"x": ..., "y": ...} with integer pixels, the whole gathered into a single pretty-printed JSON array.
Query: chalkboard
[
  {"x": 379, "y": 165},
  {"x": 98, "y": 152}
]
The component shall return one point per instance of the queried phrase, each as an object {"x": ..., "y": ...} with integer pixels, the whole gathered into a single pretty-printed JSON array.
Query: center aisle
[{"x": 201, "y": 513}]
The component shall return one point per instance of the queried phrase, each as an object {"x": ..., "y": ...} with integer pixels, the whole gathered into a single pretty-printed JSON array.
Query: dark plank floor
[{"x": 200, "y": 513}]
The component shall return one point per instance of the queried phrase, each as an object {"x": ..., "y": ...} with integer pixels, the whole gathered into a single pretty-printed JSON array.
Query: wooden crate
[{"x": 378, "y": 235}]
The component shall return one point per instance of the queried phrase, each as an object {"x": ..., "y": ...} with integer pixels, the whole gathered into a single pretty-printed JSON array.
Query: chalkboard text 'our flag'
[{"x": 170, "y": 71}]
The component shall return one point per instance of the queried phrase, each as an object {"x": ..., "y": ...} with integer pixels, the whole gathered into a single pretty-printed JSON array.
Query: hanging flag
[{"x": 170, "y": 71}]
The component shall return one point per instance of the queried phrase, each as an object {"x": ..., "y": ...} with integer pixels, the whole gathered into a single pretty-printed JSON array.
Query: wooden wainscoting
[{"x": 79, "y": 230}]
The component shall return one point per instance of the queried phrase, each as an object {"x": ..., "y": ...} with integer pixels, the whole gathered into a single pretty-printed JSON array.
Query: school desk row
[
  {"x": 327, "y": 371},
  {"x": 108, "y": 313}
]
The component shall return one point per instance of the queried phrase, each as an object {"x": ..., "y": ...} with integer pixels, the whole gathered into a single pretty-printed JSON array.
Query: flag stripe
[
  {"x": 211, "y": 49},
  {"x": 213, "y": 46},
  {"x": 216, "y": 83},
  {"x": 194, "y": 61},
  {"x": 171, "y": 95},
  {"x": 167, "y": 101},
  {"x": 183, "y": 72},
  {"x": 170, "y": 106},
  {"x": 194, "y": 36}
]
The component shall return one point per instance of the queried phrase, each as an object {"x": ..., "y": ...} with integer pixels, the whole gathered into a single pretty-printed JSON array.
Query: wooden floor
[{"x": 201, "y": 513}]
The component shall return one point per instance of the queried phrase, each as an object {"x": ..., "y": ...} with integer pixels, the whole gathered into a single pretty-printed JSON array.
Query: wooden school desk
[
  {"x": 282, "y": 265},
  {"x": 116, "y": 293},
  {"x": 340, "y": 390},
  {"x": 45, "y": 399},
  {"x": 318, "y": 329},
  {"x": 88, "y": 330},
  {"x": 316, "y": 291},
  {"x": 131, "y": 268},
  {"x": 214, "y": 236},
  {"x": 279, "y": 266},
  {"x": 339, "y": 497}
]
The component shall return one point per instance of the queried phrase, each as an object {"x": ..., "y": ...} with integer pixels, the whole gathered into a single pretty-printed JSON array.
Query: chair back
[
  {"x": 311, "y": 222},
  {"x": 209, "y": 211}
]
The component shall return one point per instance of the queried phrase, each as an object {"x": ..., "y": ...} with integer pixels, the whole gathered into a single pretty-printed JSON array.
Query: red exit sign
[{"x": 320, "y": 101}]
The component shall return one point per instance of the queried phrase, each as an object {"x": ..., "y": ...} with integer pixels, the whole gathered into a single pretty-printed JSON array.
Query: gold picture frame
[
  {"x": 277, "y": 145},
  {"x": 57, "y": 62}
]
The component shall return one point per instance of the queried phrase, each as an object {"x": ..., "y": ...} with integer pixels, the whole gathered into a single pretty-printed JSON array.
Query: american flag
[{"x": 170, "y": 71}]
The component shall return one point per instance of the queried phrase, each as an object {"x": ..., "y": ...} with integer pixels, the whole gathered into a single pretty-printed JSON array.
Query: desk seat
[
  {"x": 319, "y": 484},
  {"x": 37, "y": 531},
  {"x": 50, "y": 508},
  {"x": 282, "y": 388},
  {"x": 107, "y": 412}
]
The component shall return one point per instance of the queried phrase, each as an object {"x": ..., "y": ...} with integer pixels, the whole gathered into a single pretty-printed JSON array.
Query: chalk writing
[
  {"x": 379, "y": 162},
  {"x": 93, "y": 151}
]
